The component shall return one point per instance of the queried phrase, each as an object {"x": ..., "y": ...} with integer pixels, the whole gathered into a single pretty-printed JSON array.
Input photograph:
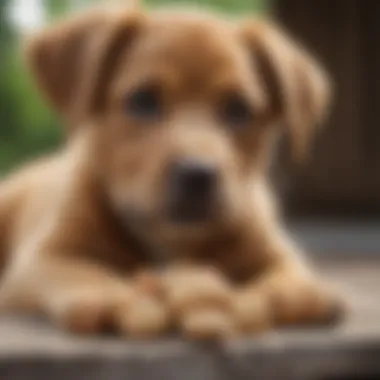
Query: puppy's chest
[
  {"x": 127, "y": 253},
  {"x": 224, "y": 253}
]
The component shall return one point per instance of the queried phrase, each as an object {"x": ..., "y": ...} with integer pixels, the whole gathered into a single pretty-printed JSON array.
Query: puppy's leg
[
  {"x": 200, "y": 300},
  {"x": 83, "y": 297},
  {"x": 280, "y": 279},
  {"x": 273, "y": 275}
]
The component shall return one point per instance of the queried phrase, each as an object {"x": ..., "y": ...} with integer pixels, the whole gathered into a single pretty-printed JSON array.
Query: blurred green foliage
[
  {"x": 228, "y": 6},
  {"x": 27, "y": 127}
]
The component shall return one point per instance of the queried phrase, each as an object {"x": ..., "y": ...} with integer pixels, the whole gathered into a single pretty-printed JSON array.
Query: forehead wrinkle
[
  {"x": 193, "y": 57},
  {"x": 196, "y": 53}
]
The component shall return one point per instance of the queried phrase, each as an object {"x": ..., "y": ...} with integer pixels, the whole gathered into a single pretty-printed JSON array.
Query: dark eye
[
  {"x": 144, "y": 103},
  {"x": 236, "y": 111}
]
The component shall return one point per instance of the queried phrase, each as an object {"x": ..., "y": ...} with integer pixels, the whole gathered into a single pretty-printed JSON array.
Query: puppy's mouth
[{"x": 194, "y": 212}]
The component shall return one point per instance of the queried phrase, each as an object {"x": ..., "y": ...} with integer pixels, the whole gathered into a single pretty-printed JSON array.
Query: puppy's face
[
  {"x": 182, "y": 107},
  {"x": 181, "y": 124}
]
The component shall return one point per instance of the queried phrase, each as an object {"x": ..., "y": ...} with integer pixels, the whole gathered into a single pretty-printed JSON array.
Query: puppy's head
[{"x": 182, "y": 107}]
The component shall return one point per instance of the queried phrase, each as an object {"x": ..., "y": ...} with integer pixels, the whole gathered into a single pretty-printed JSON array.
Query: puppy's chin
[
  {"x": 200, "y": 223},
  {"x": 165, "y": 227}
]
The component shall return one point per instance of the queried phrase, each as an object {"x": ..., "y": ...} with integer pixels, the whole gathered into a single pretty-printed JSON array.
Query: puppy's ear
[
  {"x": 72, "y": 61},
  {"x": 299, "y": 89}
]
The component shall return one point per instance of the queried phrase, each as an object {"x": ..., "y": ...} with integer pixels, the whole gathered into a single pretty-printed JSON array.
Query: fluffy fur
[{"x": 83, "y": 235}]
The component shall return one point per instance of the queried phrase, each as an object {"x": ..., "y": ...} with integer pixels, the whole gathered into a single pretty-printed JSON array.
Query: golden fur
[{"x": 82, "y": 234}]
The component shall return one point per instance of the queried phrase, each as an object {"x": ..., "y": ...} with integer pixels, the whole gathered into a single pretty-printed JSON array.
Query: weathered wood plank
[{"x": 33, "y": 350}]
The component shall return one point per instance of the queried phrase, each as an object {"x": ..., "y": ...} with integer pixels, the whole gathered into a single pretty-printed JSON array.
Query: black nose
[
  {"x": 195, "y": 179},
  {"x": 192, "y": 188}
]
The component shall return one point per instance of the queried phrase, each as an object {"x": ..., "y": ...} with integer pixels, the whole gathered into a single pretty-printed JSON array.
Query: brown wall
[{"x": 344, "y": 173}]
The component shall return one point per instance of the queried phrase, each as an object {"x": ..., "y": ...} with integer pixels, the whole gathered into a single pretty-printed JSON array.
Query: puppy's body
[{"x": 171, "y": 124}]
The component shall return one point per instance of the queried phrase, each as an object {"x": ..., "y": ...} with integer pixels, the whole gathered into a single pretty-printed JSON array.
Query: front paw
[
  {"x": 127, "y": 311},
  {"x": 201, "y": 303},
  {"x": 301, "y": 300},
  {"x": 252, "y": 312},
  {"x": 143, "y": 317}
]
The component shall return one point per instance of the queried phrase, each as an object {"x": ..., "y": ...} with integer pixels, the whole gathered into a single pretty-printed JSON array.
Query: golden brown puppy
[{"x": 171, "y": 119}]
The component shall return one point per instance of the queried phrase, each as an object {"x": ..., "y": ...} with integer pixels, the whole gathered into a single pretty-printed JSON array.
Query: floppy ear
[
  {"x": 299, "y": 89},
  {"x": 72, "y": 61}
]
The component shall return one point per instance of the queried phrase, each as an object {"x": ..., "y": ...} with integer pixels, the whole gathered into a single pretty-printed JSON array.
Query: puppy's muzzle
[{"x": 192, "y": 190}]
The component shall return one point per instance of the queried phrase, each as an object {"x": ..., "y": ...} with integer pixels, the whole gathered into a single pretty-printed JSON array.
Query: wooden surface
[{"x": 32, "y": 349}]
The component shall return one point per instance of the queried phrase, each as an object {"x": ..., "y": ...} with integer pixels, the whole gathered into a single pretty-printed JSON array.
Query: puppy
[{"x": 157, "y": 212}]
